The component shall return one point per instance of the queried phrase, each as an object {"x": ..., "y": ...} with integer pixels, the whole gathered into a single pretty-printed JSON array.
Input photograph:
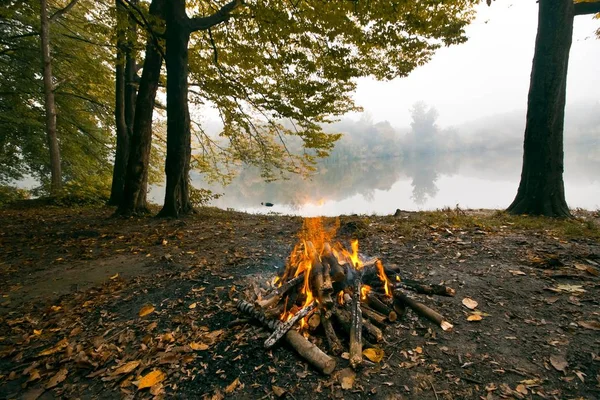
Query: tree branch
[
  {"x": 204, "y": 23},
  {"x": 62, "y": 10},
  {"x": 145, "y": 23},
  {"x": 586, "y": 8}
]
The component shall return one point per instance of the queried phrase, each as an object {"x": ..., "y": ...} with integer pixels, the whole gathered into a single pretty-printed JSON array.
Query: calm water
[{"x": 427, "y": 182}]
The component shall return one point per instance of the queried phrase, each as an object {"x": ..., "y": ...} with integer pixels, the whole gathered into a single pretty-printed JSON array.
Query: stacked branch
[{"x": 349, "y": 303}]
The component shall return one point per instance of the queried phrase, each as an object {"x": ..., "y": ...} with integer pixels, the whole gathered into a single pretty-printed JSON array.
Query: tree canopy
[{"x": 83, "y": 87}]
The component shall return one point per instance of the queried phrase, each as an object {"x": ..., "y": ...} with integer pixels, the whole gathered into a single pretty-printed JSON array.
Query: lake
[{"x": 487, "y": 179}]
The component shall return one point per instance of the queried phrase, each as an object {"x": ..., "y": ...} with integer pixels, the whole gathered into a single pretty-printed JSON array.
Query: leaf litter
[{"x": 92, "y": 334}]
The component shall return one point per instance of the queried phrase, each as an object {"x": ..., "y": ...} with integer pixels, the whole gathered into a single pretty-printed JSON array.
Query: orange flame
[
  {"x": 364, "y": 291},
  {"x": 386, "y": 282},
  {"x": 340, "y": 297}
]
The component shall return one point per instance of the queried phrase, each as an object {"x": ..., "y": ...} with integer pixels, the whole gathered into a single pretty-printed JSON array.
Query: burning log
[
  {"x": 335, "y": 269},
  {"x": 332, "y": 340},
  {"x": 423, "y": 310},
  {"x": 287, "y": 325},
  {"x": 356, "y": 324},
  {"x": 306, "y": 349},
  {"x": 275, "y": 296},
  {"x": 321, "y": 285},
  {"x": 361, "y": 312},
  {"x": 314, "y": 321}
]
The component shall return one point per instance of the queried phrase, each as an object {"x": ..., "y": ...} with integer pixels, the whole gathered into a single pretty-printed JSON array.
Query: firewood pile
[{"x": 327, "y": 293}]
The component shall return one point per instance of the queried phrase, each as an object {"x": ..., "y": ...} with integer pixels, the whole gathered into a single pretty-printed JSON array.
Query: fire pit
[{"x": 328, "y": 290}]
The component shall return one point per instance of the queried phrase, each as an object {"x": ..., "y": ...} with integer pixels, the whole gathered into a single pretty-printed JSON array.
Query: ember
[{"x": 327, "y": 289}]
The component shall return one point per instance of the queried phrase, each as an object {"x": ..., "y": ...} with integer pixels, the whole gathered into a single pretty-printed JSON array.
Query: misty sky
[{"x": 487, "y": 75}]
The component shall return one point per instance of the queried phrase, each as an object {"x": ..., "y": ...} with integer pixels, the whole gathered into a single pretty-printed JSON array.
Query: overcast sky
[{"x": 487, "y": 75}]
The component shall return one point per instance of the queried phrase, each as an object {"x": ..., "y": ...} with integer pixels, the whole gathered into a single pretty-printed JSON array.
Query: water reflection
[{"x": 427, "y": 181}]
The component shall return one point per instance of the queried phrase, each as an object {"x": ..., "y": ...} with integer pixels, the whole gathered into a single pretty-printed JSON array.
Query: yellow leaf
[
  {"x": 151, "y": 379},
  {"x": 126, "y": 368},
  {"x": 58, "y": 378},
  {"x": 474, "y": 317},
  {"x": 192, "y": 306},
  {"x": 37, "y": 331},
  {"x": 199, "y": 346},
  {"x": 419, "y": 350},
  {"x": 58, "y": 347},
  {"x": 373, "y": 354},
  {"x": 115, "y": 276},
  {"x": 147, "y": 309},
  {"x": 231, "y": 387},
  {"x": 469, "y": 303}
]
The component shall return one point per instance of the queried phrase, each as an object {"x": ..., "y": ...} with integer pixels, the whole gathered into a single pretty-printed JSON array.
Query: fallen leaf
[
  {"x": 151, "y": 379},
  {"x": 474, "y": 317},
  {"x": 559, "y": 362},
  {"x": 157, "y": 389},
  {"x": 521, "y": 389},
  {"x": 588, "y": 268},
  {"x": 516, "y": 272},
  {"x": 217, "y": 396},
  {"x": 34, "y": 375},
  {"x": 347, "y": 377},
  {"x": 199, "y": 346},
  {"x": 278, "y": 391},
  {"x": 37, "y": 332},
  {"x": 192, "y": 306},
  {"x": 56, "y": 308},
  {"x": 470, "y": 303},
  {"x": 593, "y": 325},
  {"x": 126, "y": 368},
  {"x": 373, "y": 354},
  {"x": 58, "y": 378},
  {"x": 530, "y": 382},
  {"x": 231, "y": 387},
  {"x": 58, "y": 347},
  {"x": 147, "y": 309},
  {"x": 571, "y": 288},
  {"x": 115, "y": 276},
  {"x": 580, "y": 375}
]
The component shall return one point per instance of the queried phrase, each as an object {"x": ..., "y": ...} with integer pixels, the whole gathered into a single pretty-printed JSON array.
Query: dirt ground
[{"x": 75, "y": 282}]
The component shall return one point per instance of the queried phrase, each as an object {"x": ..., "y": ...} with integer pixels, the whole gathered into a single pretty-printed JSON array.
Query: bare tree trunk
[
  {"x": 541, "y": 191},
  {"x": 122, "y": 131},
  {"x": 49, "y": 104},
  {"x": 136, "y": 179},
  {"x": 177, "y": 199}
]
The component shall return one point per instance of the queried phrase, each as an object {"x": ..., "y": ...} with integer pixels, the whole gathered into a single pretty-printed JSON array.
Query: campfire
[{"x": 327, "y": 290}]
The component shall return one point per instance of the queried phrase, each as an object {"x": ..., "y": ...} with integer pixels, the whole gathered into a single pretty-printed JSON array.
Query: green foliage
[
  {"x": 276, "y": 71},
  {"x": 11, "y": 194},
  {"x": 81, "y": 53},
  {"x": 90, "y": 191},
  {"x": 201, "y": 197}
]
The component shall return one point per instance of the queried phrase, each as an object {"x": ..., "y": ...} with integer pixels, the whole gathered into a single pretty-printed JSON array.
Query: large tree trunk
[
  {"x": 122, "y": 131},
  {"x": 136, "y": 179},
  {"x": 541, "y": 191},
  {"x": 50, "y": 105},
  {"x": 177, "y": 199}
]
